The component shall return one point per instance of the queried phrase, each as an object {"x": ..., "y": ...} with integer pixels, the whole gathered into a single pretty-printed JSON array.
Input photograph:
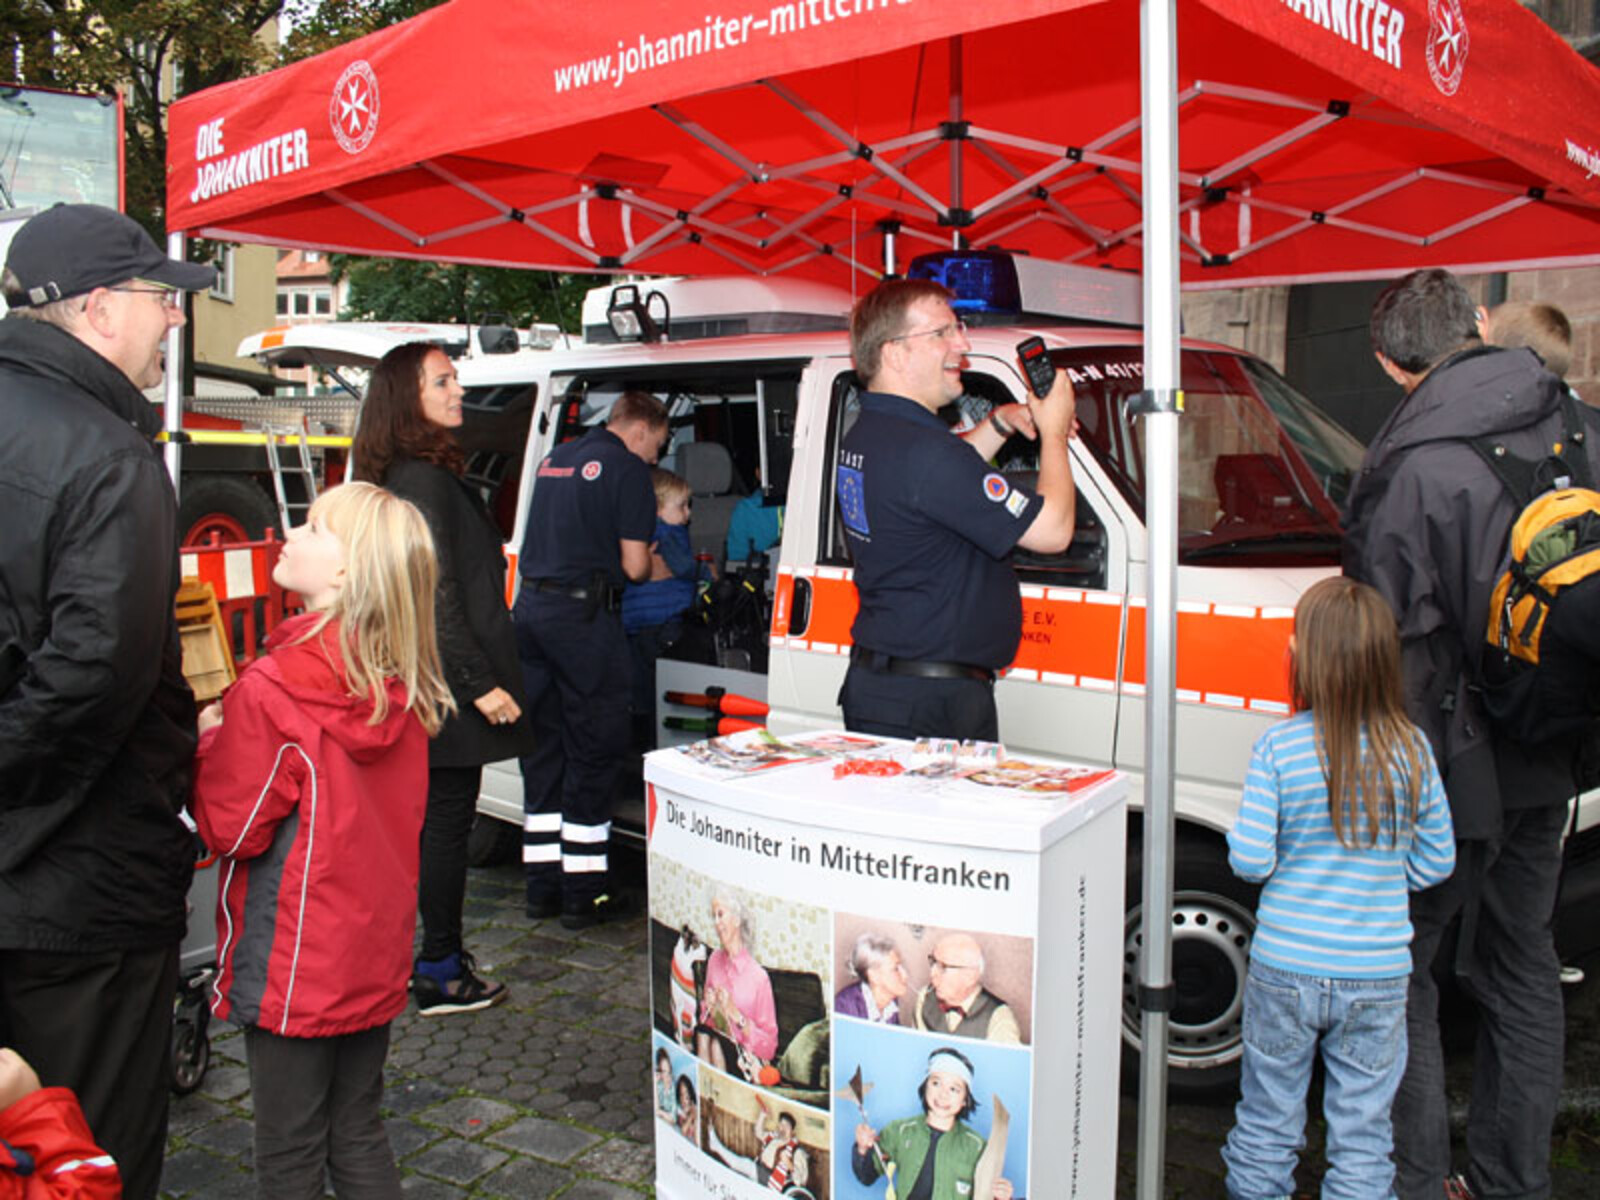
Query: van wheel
[
  {"x": 231, "y": 506},
  {"x": 1213, "y": 922},
  {"x": 491, "y": 842}
]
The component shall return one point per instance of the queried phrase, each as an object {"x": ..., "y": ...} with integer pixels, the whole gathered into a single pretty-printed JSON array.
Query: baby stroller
[{"x": 197, "y": 967}]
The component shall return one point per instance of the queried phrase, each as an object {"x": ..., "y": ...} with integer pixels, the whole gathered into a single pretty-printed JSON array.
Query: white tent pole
[
  {"x": 1162, "y": 402},
  {"x": 172, "y": 390}
]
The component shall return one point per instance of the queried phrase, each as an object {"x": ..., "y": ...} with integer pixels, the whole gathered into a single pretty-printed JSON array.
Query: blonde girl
[
  {"x": 1342, "y": 814},
  {"x": 312, "y": 780}
]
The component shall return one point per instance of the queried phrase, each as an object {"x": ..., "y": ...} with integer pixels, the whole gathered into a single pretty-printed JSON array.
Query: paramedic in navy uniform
[
  {"x": 589, "y": 529},
  {"x": 930, "y": 523}
]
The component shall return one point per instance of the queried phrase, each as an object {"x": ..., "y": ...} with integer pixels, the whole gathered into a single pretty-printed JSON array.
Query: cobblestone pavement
[{"x": 548, "y": 1095}]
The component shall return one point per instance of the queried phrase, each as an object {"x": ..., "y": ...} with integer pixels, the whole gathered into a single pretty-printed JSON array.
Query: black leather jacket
[{"x": 97, "y": 725}]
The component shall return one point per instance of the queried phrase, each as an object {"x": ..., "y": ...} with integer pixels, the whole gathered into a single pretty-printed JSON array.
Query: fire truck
[{"x": 758, "y": 382}]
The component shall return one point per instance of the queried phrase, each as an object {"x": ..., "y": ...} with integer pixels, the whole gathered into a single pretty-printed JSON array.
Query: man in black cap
[{"x": 97, "y": 726}]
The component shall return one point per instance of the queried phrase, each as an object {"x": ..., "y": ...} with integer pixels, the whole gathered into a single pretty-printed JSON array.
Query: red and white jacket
[
  {"x": 317, "y": 816},
  {"x": 48, "y": 1153}
]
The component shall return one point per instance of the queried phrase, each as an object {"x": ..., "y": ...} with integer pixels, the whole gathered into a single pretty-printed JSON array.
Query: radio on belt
[{"x": 1036, "y": 362}]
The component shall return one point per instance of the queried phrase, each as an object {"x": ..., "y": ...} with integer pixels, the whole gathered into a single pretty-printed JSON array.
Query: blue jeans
[{"x": 1360, "y": 1026}]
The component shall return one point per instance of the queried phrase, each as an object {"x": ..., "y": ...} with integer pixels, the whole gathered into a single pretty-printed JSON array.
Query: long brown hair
[
  {"x": 1347, "y": 672},
  {"x": 392, "y": 425}
]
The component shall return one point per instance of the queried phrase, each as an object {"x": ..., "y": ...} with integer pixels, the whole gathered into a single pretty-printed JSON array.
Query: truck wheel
[
  {"x": 231, "y": 506},
  {"x": 1213, "y": 922},
  {"x": 491, "y": 842}
]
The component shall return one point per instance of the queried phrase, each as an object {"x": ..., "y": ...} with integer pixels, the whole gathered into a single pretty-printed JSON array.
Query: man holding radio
[{"x": 930, "y": 523}]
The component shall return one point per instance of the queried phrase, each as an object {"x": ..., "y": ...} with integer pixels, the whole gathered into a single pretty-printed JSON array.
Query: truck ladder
[{"x": 278, "y": 439}]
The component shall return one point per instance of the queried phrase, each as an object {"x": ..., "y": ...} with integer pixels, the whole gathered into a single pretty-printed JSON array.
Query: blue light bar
[{"x": 983, "y": 281}]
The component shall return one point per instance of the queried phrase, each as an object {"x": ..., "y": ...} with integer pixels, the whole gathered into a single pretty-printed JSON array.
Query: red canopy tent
[
  {"x": 1262, "y": 140},
  {"x": 1318, "y": 138}
]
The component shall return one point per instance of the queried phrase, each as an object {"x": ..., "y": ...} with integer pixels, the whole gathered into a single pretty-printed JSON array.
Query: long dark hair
[
  {"x": 1347, "y": 672},
  {"x": 392, "y": 425}
]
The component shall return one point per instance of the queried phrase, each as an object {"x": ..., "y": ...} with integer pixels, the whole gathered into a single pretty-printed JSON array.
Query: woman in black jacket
[{"x": 404, "y": 444}]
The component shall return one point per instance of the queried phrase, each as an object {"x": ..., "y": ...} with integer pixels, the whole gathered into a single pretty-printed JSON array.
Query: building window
[
  {"x": 223, "y": 288},
  {"x": 322, "y": 301},
  {"x": 283, "y": 304}
]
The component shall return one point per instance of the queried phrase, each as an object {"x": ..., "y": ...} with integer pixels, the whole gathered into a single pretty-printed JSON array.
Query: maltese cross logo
[
  {"x": 1447, "y": 44},
  {"x": 353, "y": 111}
]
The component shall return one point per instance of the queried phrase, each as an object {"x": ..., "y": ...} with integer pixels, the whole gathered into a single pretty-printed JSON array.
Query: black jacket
[
  {"x": 1427, "y": 524},
  {"x": 97, "y": 725},
  {"x": 476, "y": 638}
]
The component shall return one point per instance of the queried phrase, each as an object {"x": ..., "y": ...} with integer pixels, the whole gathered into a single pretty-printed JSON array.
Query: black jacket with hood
[
  {"x": 97, "y": 725},
  {"x": 1427, "y": 524}
]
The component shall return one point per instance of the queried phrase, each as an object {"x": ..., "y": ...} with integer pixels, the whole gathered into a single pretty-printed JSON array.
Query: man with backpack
[{"x": 1428, "y": 525}]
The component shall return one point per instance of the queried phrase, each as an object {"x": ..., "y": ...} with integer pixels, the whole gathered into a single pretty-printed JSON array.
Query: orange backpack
[{"x": 1554, "y": 543}]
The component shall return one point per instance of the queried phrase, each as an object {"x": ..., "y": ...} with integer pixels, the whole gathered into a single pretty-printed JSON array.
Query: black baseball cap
[{"x": 71, "y": 249}]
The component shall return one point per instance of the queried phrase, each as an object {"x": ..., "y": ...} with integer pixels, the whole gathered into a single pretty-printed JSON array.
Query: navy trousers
[{"x": 576, "y": 673}]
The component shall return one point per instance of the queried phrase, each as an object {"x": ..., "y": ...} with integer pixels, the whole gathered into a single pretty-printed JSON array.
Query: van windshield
[{"x": 1261, "y": 472}]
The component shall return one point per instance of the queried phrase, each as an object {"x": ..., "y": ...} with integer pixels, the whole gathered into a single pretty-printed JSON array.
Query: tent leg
[
  {"x": 172, "y": 385},
  {"x": 1163, "y": 400}
]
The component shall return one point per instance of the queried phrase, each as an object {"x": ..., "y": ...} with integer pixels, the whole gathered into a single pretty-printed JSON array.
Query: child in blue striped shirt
[{"x": 1343, "y": 814}]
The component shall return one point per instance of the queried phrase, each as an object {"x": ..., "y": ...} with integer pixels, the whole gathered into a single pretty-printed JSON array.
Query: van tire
[
  {"x": 492, "y": 842},
  {"x": 233, "y": 506},
  {"x": 1213, "y": 923}
]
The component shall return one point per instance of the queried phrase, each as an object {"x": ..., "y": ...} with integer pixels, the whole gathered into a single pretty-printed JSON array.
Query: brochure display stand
[{"x": 873, "y": 961}]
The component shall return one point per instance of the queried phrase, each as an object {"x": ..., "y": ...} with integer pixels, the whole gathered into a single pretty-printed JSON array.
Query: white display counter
[{"x": 809, "y": 860}]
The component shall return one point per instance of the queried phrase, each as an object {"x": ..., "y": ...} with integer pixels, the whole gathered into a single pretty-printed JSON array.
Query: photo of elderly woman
[
  {"x": 737, "y": 1012},
  {"x": 922, "y": 1113},
  {"x": 742, "y": 980},
  {"x": 878, "y": 980}
]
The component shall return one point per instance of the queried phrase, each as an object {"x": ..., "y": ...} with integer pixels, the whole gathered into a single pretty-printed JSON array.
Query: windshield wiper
[{"x": 1321, "y": 541}]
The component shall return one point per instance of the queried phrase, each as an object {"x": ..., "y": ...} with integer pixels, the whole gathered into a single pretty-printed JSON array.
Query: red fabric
[
  {"x": 469, "y": 90},
  {"x": 47, "y": 1132},
  {"x": 336, "y": 951}
]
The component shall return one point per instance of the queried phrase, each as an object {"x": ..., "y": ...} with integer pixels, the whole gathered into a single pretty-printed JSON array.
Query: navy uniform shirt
[
  {"x": 930, "y": 524},
  {"x": 590, "y": 494}
]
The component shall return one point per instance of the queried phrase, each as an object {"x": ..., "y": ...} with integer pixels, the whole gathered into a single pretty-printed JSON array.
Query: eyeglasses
[
  {"x": 170, "y": 297},
  {"x": 944, "y": 333},
  {"x": 937, "y": 964}
]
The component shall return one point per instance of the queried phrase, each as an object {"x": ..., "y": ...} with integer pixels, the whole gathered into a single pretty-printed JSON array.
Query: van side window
[
  {"x": 1083, "y": 564},
  {"x": 732, "y": 432},
  {"x": 493, "y": 434}
]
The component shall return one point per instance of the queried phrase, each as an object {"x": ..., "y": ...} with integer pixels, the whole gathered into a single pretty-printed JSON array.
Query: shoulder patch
[
  {"x": 852, "y": 500},
  {"x": 995, "y": 486},
  {"x": 591, "y": 469},
  {"x": 1016, "y": 504}
]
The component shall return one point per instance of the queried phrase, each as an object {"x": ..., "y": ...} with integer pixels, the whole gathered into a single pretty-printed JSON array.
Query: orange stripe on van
[{"x": 1230, "y": 656}]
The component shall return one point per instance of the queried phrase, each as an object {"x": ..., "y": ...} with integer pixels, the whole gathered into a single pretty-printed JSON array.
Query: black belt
[
  {"x": 921, "y": 668},
  {"x": 607, "y": 596},
  {"x": 577, "y": 591}
]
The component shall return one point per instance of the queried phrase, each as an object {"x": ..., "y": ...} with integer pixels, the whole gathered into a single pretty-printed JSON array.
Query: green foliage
[
  {"x": 137, "y": 47},
  {"x": 405, "y": 290},
  {"x": 319, "y": 25},
  {"x": 151, "y": 50}
]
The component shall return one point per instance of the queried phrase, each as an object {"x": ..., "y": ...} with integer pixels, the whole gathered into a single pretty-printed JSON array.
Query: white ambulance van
[{"x": 757, "y": 378}]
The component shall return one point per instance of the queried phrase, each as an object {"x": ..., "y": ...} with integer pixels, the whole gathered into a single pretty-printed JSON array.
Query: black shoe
[
  {"x": 465, "y": 993},
  {"x": 597, "y": 911},
  {"x": 543, "y": 908}
]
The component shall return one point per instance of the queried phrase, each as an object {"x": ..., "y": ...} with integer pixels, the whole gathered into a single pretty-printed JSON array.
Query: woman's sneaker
[{"x": 465, "y": 993}]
